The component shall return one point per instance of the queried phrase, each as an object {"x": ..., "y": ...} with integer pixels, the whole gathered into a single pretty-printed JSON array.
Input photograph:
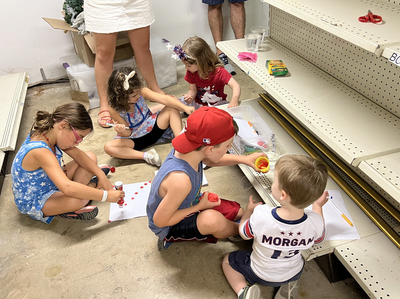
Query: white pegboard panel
[
  {"x": 340, "y": 17},
  {"x": 395, "y": 203},
  {"x": 374, "y": 77},
  {"x": 339, "y": 116},
  {"x": 373, "y": 261},
  {"x": 385, "y": 171}
]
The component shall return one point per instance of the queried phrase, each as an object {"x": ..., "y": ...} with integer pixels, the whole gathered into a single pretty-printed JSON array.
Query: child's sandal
[
  {"x": 106, "y": 169},
  {"x": 85, "y": 213},
  {"x": 106, "y": 118}
]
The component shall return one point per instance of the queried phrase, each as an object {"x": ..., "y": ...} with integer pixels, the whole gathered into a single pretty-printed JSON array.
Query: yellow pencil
[{"x": 341, "y": 214}]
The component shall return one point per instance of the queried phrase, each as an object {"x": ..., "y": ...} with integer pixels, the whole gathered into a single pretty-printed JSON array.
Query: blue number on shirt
[{"x": 291, "y": 253}]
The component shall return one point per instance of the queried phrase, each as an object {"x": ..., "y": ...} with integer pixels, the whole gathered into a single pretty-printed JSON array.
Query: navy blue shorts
[
  {"x": 216, "y": 2},
  {"x": 240, "y": 261},
  {"x": 148, "y": 139},
  {"x": 186, "y": 230}
]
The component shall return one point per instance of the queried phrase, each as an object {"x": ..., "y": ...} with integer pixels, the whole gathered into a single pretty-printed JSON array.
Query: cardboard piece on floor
[
  {"x": 80, "y": 97},
  {"x": 336, "y": 227},
  {"x": 136, "y": 196}
]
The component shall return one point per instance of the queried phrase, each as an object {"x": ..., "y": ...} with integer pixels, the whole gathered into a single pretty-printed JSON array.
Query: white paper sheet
[
  {"x": 337, "y": 227},
  {"x": 245, "y": 129},
  {"x": 136, "y": 196}
]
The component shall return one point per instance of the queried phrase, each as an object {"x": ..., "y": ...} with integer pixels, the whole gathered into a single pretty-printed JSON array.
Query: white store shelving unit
[
  {"x": 340, "y": 18},
  {"x": 344, "y": 91},
  {"x": 323, "y": 104},
  {"x": 349, "y": 252},
  {"x": 384, "y": 171},
  {"x": 373, "y": 263}
]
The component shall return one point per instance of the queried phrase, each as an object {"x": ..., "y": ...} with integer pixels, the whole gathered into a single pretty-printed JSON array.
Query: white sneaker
[
  {"x": 152, "y": 157},
  {"x": 288, "y": 291},
  {"x": 250, "y": 292}
]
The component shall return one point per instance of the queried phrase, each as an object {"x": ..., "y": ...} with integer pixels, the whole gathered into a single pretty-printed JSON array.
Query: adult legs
[
  {"x": 215, "y": 22},
  {"x": 103, "y": 66},
  {"x": 140, "y": 41},
  {"x": 238, "y": 18},
  {"x": 216, "y": 25}
]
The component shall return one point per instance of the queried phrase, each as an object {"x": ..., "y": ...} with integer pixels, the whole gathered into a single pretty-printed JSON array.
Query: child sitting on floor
[
  {"x": 281, "y": 233},
  {"x": 43, "y": 185},
  {"x": 175, "y": 208},
  {"x": 136, "y": 125},
  {"x": 206, "y": 75}
]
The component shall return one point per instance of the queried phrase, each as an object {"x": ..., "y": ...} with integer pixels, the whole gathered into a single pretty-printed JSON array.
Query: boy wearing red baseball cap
[{"x": 175, "y": 209}]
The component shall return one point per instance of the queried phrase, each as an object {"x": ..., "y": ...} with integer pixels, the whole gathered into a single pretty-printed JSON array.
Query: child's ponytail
[
  {"x": 43, "y": 122},
  {"x": 74, "y": 113}
]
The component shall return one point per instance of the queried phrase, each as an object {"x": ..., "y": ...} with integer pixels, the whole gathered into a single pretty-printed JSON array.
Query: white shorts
[{"x": 117, "y": 15}]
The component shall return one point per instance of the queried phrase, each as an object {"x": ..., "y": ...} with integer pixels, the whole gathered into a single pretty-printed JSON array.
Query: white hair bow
[{"x": 126, "y": 82}]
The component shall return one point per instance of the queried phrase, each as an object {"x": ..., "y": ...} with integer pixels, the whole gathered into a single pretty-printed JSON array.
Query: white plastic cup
[
  {"x": 274, "y": 151},
  {"x": 259, "y": 30},
  {"x": 253, "y": 41}
]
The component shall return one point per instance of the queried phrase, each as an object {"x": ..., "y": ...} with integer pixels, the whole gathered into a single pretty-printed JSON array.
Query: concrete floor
[{"x": 97, "y": 259}]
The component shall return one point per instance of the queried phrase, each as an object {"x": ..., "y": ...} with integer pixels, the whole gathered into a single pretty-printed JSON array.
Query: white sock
[{"x": 240, "y": 292}]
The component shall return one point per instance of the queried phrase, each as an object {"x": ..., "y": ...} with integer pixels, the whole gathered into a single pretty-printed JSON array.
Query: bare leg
[
  {"x": 122, "y": 149},
  {"x": 59, "y": 203},
  {"x": 211, "y": 222},
  {"x": 215, "y": 22},
  {"x": 156, "y": 108},
  {"x": 103, "y": 66},
  {"x": 140, "y": 41},
  {"x": 236, "y": 280},
  {"x": 238, "y": 19},
  {"x": 170, "y": 117}
]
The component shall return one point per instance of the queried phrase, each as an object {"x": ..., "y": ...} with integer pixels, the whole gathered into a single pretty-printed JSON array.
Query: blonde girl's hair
[
  {"x": 118, "y": 94},
  {"x": 303, "y": 178},
  {"x": 74, "y": 113},
  {"x": 201, "y": 54}
]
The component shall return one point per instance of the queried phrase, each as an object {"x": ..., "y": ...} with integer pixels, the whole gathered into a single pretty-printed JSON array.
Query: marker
[
  {"x": 341, "y": 214},
  {"x": 254, "y": 130},
  {"x": 113, "y": 125},
  {"x": 119, "y": 186}
]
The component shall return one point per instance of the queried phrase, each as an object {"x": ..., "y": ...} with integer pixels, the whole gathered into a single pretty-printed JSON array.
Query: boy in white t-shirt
[{"x": 281, "y": 233}]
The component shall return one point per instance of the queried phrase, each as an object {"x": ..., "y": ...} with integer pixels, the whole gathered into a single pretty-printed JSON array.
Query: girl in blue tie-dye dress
[
  {"x": 43, "y": 185},
  {"x": 136, "y": 125}
]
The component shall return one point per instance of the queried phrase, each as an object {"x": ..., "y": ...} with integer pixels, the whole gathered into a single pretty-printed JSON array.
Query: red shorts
[{"x": 228, "y": 208}]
